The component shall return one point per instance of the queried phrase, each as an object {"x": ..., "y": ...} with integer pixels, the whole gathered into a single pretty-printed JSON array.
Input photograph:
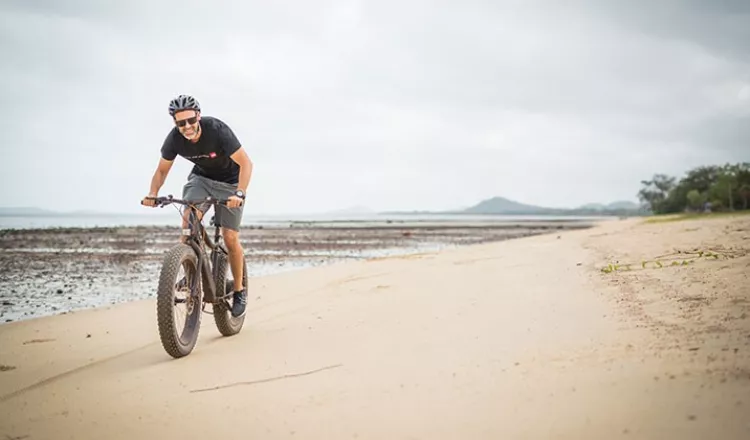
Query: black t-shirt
[{"x": 210, "y": 154}]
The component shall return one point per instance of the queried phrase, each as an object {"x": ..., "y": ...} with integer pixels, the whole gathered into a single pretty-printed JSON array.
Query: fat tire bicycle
[{"x": 206, "y": 281}]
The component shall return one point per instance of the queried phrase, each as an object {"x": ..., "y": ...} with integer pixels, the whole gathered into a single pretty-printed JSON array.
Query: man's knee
[{"x": 232, "y": 239}]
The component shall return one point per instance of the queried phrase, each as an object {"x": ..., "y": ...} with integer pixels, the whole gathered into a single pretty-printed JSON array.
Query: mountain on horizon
[
  {"x": 622, "y": 204},
  {"x": 503, "y": 206}
]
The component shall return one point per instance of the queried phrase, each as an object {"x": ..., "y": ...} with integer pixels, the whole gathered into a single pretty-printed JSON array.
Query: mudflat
[
  {"x": 50, "y": 271},
  {"x": 626, "y": 330}
]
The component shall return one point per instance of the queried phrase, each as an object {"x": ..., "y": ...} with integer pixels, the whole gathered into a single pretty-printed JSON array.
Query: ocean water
[
  {"x": 173, "y": 219},
  {"x": 86, "y": 221}
]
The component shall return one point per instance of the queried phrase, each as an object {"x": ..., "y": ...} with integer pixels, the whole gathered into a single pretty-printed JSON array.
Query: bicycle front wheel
[{"x": 179, "y": 300}]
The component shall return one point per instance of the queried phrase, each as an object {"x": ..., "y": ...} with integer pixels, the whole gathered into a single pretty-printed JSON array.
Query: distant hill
[
  {"x": 619, "y": 205},
  {"x": 594, "y": 206},
  {"x": 501, "y": 205},
  {"x": 624, "y": 204}
]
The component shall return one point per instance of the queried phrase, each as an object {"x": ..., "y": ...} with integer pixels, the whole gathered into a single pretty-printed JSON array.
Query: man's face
[{"x": 187, "y": 123}]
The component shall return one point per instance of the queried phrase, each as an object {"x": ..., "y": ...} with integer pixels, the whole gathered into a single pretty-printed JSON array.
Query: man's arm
[
  {"x": 160, "y": 175},
  {"x": 246, "y": 168}
]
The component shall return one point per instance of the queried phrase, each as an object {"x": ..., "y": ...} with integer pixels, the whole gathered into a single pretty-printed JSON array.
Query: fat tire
[
  {"x": 227, "y": 324},
  {"x": 169, "y": 334}
]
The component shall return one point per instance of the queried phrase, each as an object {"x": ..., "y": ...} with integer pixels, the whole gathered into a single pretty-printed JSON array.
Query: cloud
[{"x": 395, "y": 105}]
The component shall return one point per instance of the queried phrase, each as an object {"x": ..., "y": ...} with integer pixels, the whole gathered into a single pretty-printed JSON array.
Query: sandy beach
[
  {"x": 48, "y": 271},
  {"x": 625, "y": 330}
]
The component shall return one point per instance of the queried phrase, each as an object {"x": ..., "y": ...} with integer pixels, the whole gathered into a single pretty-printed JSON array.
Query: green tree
[
  {"x": 696, "y": 199},
  {"x": 701, "y": 178},
  {"x": 724, "y": 188},
  {"x": 740, "y": 183},
  {"x": 655, "y": 192},
  {"x": 744, "y": 193}
]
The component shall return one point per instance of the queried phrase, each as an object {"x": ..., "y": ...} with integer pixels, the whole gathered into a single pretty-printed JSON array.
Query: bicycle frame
[{"x": 197, "y": 238}]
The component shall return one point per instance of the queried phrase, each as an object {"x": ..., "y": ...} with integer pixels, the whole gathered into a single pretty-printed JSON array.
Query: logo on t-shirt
[{"x": 211, "y": 155}]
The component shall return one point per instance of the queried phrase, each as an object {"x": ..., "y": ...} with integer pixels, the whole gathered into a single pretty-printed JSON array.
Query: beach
[
  {"x": 628, "y": 329},
  {"x": 53, "y": 270}
]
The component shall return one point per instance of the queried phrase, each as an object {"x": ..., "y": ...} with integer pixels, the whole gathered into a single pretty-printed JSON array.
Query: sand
[
  {"x": 51, "y": 271},
  {"x": 525, "y": 338}
]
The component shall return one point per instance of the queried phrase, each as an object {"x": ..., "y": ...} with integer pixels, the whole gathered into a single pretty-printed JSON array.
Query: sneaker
[{"x": 239, "y": 303}]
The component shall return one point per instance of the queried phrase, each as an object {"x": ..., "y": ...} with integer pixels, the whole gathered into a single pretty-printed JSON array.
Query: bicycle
[{"x": 203, "y": 276}]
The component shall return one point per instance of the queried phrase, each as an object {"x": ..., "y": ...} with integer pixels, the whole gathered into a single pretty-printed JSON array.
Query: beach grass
[{"x": 661, "y": 218}]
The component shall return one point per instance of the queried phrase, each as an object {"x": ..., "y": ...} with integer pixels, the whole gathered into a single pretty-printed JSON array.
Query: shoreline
[
  {"x": 41, "y": 222},
  {"x": 53, "y": 271}
]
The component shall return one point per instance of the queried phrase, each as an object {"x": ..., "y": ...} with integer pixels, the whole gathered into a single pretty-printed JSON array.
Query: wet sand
[
  {"x": 526, "y": 338},
  {"x": 57, "y": 270}
]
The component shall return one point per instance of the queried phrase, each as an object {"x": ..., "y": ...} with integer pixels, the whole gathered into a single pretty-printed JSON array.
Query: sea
[{"x": 173, "y": 219}]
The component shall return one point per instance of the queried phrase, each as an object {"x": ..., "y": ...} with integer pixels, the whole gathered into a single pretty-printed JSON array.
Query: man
[{"x": 222, "y": 170}]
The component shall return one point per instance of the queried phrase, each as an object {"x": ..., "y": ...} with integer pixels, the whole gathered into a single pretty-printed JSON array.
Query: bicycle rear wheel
[
  {"x": 227, "y": 324},
  {"x": 175, "y": 291}
]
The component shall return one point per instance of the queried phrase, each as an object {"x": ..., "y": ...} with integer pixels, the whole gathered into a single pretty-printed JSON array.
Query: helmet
[{"x": 183, "y": 102}]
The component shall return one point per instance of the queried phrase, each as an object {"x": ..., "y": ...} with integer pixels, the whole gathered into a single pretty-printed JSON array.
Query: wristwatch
[{"x": 239, "y": 193}]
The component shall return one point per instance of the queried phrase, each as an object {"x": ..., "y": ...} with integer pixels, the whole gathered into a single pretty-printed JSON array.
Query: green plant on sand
[{"x": 679, "y": 258}]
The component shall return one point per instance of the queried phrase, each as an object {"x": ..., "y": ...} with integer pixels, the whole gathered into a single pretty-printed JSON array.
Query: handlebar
[{"x": 164, "y": 201}]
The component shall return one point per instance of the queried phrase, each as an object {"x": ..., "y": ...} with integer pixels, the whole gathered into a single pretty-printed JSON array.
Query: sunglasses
[{"x": 184, "y": 122}]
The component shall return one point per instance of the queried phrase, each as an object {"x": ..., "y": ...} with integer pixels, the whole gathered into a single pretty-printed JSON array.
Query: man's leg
[
  {"x": 230, "y": 219},
  {"x": 236, "y": 260},
  {"x": 236, "y": 256}
]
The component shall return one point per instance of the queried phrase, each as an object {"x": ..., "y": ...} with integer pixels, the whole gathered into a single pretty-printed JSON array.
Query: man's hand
[
  {"x": 233, "y": 202},
  {"x": 149, "y": 200}
]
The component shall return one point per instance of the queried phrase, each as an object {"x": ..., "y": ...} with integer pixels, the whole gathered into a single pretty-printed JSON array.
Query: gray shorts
[{"x": 198, "y": 188}]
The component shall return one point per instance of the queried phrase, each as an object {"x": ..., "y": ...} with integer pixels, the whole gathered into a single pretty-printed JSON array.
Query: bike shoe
[{"x": 239, "y": 303}]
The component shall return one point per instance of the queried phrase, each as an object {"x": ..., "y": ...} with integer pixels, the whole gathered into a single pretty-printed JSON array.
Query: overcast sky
[{"x": 384, "y": 104}]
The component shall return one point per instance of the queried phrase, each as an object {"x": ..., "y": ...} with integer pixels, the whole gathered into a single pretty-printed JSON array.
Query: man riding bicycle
[{"x": 221, "y": 170}]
